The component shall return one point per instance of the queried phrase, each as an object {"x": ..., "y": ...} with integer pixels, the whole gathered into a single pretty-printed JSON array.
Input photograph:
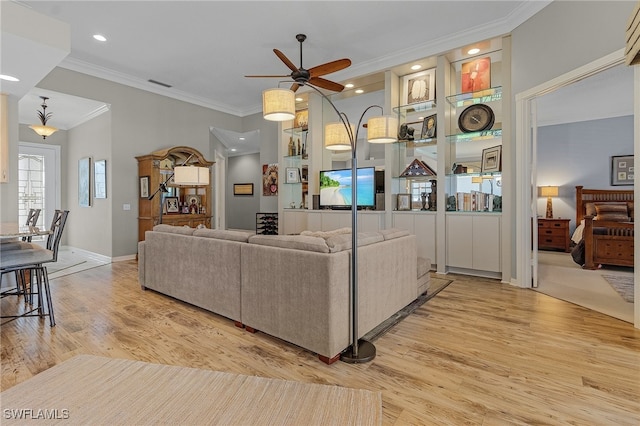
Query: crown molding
[{"x": 93, "y": 114}]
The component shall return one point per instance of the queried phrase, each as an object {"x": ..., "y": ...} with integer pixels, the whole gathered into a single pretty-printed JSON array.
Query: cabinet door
[
  {"x": 486, "y": 243},
  {"x": 460, "y": 241},
  {"x": 295, "y": 221},
  {"x": 425, "y": 231}
]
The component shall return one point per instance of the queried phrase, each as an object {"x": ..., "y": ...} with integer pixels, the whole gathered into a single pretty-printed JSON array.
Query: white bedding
[{"x": 577, "y": 234}]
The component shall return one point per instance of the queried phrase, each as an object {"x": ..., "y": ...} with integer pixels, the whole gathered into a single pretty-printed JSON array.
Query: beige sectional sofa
[{"x": 294, "y": 287}]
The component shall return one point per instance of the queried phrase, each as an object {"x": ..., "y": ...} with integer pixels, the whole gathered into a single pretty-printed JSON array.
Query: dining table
[{"x": 16, "y": 230}]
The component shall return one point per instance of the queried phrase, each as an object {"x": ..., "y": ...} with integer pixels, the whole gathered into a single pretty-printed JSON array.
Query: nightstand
[{"x": 553, "y": 234}]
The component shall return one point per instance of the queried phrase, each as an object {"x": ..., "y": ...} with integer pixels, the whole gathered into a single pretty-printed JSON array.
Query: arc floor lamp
[{"x": 279, "y": 105}]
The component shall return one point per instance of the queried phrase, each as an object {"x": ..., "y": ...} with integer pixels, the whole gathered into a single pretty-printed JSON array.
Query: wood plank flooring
[{"x": 478, "y": 353}]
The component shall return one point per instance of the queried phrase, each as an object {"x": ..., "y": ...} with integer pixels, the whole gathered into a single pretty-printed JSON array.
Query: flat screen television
[{"x": 335, "y": 188}]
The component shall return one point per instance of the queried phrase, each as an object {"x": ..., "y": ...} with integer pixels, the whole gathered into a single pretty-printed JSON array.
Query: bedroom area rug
[
  {"x": 89, "y": 389},
  {"x": 622, "y": 284}
]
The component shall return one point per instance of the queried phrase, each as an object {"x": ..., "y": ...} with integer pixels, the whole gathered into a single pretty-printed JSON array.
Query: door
[{"x": 38, "y": 181}]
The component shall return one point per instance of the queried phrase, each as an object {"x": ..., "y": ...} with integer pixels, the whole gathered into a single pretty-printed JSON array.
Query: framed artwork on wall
[
  {"x": 476, "y": 75},
  {"x": 270, "y": 180},
  {"x": 84, "y": 182},
  {"x": 419, "y": 87},
  {"x": 301, "y": 119},
  {"x": 100, "y": 178},
  {"x": 622, "y": 170},
  {"x": 242, "y": 189}
]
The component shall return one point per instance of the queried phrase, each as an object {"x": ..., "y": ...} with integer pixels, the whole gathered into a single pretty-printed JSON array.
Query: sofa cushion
[
  {"x": 327, "y": 234},
  {"x": 223, "y": 234},
  {"x": 390, "y": 234},
  {"x": 342, "y": 242},
  {"x": 297, "y": 242},
  {"x": 170, "y": 229}
]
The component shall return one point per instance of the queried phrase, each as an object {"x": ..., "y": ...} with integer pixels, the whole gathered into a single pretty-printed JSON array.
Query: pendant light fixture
[{"x": 42, "y": 129}]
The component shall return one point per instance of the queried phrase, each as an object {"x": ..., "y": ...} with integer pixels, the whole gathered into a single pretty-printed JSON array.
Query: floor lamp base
[{"x": 366, "y": 353}]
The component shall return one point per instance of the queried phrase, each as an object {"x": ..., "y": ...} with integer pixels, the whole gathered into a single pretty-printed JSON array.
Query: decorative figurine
[
  {"x": 423, "y": 196},
  {"x": 433, "y": 196}
]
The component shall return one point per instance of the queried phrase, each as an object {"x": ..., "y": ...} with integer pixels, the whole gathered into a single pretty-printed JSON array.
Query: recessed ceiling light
[
  {"x": 473, "y": 51},
  {"x": 241, "y": 138},
  {"x": 99, "y": 37},
  {"x": 348, "y": 85},
  {"x": 416, "y": 67},
  {"x": 358, "y": 91},
  {"x": 233, "y": 150},
  {"x": 8, "y": 77},
  {"x": 299, "y": 99}
]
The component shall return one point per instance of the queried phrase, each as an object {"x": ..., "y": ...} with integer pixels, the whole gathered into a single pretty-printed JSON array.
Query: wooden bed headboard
[{"x": 584, "y": 196}]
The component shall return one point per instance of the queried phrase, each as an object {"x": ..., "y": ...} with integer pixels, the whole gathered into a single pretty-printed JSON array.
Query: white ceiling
[{"x": 205, "y": 48}]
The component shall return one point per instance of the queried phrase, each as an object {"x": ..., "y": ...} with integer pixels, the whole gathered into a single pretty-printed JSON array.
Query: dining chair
[
  {"x": 25, "y": 243},
  {"x": 34, "y": 260}
]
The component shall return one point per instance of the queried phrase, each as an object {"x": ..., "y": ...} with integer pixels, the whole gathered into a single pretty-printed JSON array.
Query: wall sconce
[
  {"x": 549, "y": 191},
  {"x": 44, "y": 116}
]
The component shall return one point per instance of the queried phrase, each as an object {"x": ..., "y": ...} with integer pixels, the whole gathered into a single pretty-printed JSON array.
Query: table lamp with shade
[{"x": 549, "y": 191}]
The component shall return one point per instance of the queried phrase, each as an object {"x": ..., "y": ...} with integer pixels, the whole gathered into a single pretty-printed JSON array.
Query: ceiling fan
[{"x": 312, "y": 75}]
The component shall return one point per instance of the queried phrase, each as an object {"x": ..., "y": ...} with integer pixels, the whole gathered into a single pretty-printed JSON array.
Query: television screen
[{"x": 335, "y": 188}]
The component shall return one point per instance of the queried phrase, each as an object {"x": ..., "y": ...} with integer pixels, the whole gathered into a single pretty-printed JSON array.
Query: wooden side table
[{"x": 553, "y": 234}]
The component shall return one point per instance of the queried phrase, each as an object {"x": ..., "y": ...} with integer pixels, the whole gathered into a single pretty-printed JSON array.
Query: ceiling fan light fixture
[
  {"x": 382, "y": 129},
  {"x": 336, "y": 137},
  {"x": 42, "y": 129},
  {"x": 278, "y": 104}
]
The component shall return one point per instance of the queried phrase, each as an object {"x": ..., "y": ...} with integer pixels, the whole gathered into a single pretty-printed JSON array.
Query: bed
[{"x": 604, "y": 220}]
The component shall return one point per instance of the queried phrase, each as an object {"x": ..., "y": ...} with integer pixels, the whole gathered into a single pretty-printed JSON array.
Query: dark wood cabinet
[
  {"x": 553, "y": 234},
  {"x": 154, "y": 169}
]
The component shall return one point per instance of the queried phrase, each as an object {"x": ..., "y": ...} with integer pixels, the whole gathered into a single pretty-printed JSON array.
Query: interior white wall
[
  {"x": 580, "y": 154},
  {"x": 9, "y": 190},
  {"x": 241, "y": 209},
  {"x": 141, "y": 122},
  {"x": 560, "y": 38}
]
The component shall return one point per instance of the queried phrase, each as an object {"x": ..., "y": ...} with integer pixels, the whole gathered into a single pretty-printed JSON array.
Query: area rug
[
  {"x": 623, "y": 284},
  {"x": 96, "y": 390}
]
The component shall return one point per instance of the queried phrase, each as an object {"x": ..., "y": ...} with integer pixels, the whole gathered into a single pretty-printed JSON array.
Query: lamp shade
[
  {"x": 336, "y": 137},
  {"x": 548, "y": 191},
  {"x": 278, "y": 104},
  {"x": 42, "y": 130},
  {"x": 382, "y": 129},
  {"x": 191, "y": 175}
]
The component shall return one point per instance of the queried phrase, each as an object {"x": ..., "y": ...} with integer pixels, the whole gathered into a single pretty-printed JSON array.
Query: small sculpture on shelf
[
  {"x": 433, "y": 196},
  {"x": 423, "y": 197}
]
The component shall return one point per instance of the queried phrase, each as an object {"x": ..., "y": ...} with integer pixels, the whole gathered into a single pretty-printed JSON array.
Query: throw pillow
[{"x": 613, "y": 212}]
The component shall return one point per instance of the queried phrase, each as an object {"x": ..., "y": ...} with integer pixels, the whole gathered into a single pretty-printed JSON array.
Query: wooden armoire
[{"x": 153, "y": 170}]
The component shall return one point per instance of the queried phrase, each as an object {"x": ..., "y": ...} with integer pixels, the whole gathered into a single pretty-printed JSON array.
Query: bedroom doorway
[{"x": 555, "y": 270}]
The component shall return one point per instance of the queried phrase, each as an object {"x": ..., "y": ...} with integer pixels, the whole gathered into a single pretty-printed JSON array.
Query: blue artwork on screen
[{"x": 335, "y": 187}]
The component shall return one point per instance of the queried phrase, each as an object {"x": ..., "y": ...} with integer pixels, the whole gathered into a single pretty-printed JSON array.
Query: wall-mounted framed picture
[
  {"x": 419, "y": 87},
  {"x": 171, "y": 205},
  {"x": 404, "y": 201},
  {"x": 492, "y": 159},
  {"x": 270, "y": 179},
  {"x": 144, "y": 186},
  {"x": 476, "y": 75},
  {"x": 84, "y": 182},
  {"x": 100, "y": 178},
  {"x": 293, "y": 175},
  {"x": 242, "y": 189},
  {"x": 622, "y": 170}
]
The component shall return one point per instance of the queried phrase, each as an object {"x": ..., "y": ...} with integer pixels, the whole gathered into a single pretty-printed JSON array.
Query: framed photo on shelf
[
  {"x": 419, "y": 87},
  {"x": 84, "y": 182},
  {"x": 428, "y": 127},
  {"x": 301, "y": 119},
  {"x": 622, "y": 170},
  {"x": 172, "y": 205},
  {"x": 242, "y": 189},
  {"x": 492, "y": 159},
  {"x": 293, "y": 175},
  {"x": 476, "y": 75},
  {"x": 144, "y": 186},
  {"x": 404, "y": 201}
]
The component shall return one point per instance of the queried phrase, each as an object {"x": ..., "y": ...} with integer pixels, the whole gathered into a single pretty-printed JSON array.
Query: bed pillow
[
  {"x": 630, "y": 209},
  {"x": 613, "y": 212},
  {"x": 590, "y": 209}
]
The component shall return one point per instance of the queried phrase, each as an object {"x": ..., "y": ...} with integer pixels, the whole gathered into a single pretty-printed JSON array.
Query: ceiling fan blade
[
  {"x": 294, "y": 87},
  {"x": 267, "y": 76},
  {"x": 326, "y": 84},
  {"x": 329, "y": 67},
  {"x": 286, "y": 60}
]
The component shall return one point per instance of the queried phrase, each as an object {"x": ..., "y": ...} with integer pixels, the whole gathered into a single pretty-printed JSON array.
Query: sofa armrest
[{"x": 141, "y": 275}]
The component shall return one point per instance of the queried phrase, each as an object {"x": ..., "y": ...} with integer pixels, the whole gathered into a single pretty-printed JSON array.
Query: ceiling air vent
[{"x": 159, "y": 83}]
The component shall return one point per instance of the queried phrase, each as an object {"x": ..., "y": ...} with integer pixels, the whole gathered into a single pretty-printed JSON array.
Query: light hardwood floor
[{"x": 480, "y": 352}]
